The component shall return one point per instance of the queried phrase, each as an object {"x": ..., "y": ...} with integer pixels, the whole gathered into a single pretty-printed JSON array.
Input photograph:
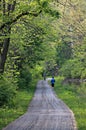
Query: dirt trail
[{"x": 46, "y": 112}]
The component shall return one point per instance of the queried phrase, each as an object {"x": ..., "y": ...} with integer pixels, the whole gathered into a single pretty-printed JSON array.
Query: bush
[
  {"x": 66, "y": 69},
  {"x": 73, "y": 68},
  {"x": 24, "y": 79},
  {"x": 83, "y": 76},
  {"x": 7, "y": 91}
]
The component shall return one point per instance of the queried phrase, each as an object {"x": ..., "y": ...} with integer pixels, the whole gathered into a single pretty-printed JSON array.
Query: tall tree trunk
[
  {"x": 4, "y": 45},
  {"x": 7, "y": 9},
  {"x": 3, "y": 55}
]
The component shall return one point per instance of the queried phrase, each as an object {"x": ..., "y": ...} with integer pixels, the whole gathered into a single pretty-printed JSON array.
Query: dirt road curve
[{"x": 46, "y": 112}]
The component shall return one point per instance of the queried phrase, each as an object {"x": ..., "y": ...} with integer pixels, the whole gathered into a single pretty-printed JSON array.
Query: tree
[
  {"x": 63, "y": 53},
  {"x": 71, "y": 34},
  {"x": 8, "y": 10},
  {"x": 12, "y": 12}
]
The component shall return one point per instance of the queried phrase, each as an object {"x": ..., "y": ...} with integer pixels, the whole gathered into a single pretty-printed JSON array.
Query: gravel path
[{"x": 46, "y": 112}]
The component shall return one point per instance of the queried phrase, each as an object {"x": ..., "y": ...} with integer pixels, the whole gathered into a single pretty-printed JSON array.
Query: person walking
[{"x": 52, "y": 82}]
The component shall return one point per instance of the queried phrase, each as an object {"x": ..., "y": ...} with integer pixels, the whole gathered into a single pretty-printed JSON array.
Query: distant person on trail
[
  {"x": 52, "y": 81},
  {"x": 44, "y": 75}
]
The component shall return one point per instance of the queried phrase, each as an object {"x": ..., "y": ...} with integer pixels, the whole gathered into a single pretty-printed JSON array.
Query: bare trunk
[
  {"x": 3, "y": 55},
  {"x": 4, "y": 45}
]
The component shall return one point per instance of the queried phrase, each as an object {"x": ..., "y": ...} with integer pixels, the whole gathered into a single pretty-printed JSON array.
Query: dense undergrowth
[
  {"x": 19, "y": 105},
  {"x": 75, "y": 97}
]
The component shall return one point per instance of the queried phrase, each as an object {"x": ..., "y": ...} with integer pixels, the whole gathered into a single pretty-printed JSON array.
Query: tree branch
[{"x": 18, "y": 17}]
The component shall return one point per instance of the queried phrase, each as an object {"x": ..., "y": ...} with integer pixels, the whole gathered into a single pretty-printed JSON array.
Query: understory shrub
[
  {"x": 73, "y": 68},
  {"x": 7, "y": 91},
  {"x": 24, "y": 79}
]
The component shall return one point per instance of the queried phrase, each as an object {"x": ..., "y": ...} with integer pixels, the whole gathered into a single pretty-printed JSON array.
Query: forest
[{"x": 36, "y": 37}]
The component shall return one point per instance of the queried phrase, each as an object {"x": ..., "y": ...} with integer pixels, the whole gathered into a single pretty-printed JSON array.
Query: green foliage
[
  {"x": 44, "y": 3},
  {"x": 25, "y": 79},
  {"x": 47, "y": 7},
  {"x": 66, "y": 69},
  {"x": 68, "y": 33},
  {"x": 21, "y": 101},
  {"x": 53, "y": 13},
  {"x": 63, "y": 53},
  {"x": 83, "y": 75},
  {"x": 76, "y": 67},
  {"x": 73, "y": 69},
  {"x": 36, "y": 72},
  {"x": 75, "y": 97},
  {"x": 7, "y": 91}
]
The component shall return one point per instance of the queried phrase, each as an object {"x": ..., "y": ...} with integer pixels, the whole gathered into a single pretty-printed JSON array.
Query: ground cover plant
[
  {"x": 75, "y": 97},
  {"x": 19, "y": 106}
]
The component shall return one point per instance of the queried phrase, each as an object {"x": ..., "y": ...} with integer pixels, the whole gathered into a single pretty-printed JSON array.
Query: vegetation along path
[{"x": 46, "y": 112}]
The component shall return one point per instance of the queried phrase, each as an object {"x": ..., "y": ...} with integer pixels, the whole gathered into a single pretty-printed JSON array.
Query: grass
[
  {"x": 75, "y": 97},
  {"x": 21, "y": 101}
]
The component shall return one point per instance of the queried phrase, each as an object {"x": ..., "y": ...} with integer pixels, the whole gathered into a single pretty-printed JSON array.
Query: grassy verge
[
  {"x": 21, "y": 103},
  {"x": 75, "y": 97}
]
